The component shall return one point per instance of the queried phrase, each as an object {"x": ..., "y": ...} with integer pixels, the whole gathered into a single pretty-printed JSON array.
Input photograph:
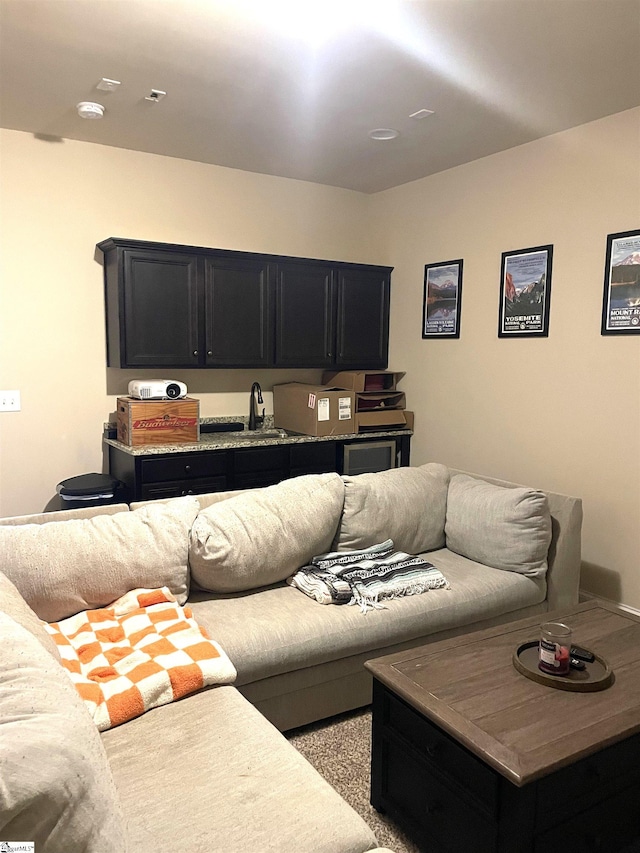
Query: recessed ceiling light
[
  {"x": 89, "y": 109},
  {"x": 383, "y": 133},
  {"x": 421, "y": 114}
]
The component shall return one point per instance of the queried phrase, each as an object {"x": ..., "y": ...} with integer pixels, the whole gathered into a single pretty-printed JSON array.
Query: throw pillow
[
  {"x": 57, "y": 789},
  {"x": 506, "y": 528},
  {"x": 263, "y": 536},
  {"x": 406, "y": 505},
  {"x": 63, "y": 567}
]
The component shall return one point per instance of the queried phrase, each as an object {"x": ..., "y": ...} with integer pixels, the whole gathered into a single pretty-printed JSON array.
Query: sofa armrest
[{"x": 564, "y": 558}]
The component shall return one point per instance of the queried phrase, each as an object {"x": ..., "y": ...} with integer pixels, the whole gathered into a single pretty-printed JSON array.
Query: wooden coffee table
[{"x": 470, "y": 756}]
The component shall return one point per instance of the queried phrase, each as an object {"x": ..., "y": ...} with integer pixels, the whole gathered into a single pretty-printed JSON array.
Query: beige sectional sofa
[{"x": 211, "y": 772}]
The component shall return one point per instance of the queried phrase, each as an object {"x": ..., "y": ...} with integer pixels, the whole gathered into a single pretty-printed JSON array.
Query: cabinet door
[
  {"x": 313, "y": 458},
  {"x": 363, "y": 318},
  {"x": 239, "y": 314},
  {"x": 160, "y": 304},
  {"x": 305, "y": 299},
  {"x": 259, "y": 466}
]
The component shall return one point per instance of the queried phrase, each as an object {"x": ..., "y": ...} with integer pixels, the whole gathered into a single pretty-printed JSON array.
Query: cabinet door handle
[
  {"x": 209, "y": 352},
  {"x": 195, "y": 352},
  {"x": 187, "y": 468}
]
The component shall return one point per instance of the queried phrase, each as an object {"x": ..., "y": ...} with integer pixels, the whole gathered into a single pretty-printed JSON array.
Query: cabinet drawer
[
  {"x": 185, "y": 466},
  {"x": 260, "y": 459},
  {"x": 313, "y": 458},
  {"x": 452, "y": 761},
  {"x": 447, "y": 820},
  {"x": 612, "y": 826},
  {"x": 183, "y": 487},
  {"x": 588, "y": 781}
]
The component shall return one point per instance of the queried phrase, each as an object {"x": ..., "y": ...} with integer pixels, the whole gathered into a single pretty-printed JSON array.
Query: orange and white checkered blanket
[{"x": 141, "y": 652}]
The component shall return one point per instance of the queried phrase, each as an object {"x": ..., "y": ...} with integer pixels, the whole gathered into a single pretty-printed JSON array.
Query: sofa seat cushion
[
  {"x": 57, "y": 789},
  {"x": 279, "y": 629},
  {"x": 64, "y": 567},
  {"x": 210, "y": 774},
  {"x": 506, "y": 528},
  {"x": 406, "y": 505},
  {"x": 262, "y": 536}
]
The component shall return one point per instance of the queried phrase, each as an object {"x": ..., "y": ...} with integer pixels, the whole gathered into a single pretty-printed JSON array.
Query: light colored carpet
[{"x": 340, "y": 750}]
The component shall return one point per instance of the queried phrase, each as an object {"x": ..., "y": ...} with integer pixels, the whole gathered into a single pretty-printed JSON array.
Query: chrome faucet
[{"x": 255, "y": 420}]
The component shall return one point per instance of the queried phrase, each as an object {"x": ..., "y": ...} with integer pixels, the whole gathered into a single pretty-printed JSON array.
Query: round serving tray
[{"x": 596, "y": 676}]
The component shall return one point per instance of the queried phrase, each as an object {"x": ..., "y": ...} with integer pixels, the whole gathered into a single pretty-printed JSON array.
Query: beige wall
[
  {"x": 561, "y": 412},
  {"x": 58, "y": 199}
]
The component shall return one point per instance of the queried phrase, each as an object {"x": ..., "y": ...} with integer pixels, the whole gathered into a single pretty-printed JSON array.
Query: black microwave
[{"x": 364, "y": 457}]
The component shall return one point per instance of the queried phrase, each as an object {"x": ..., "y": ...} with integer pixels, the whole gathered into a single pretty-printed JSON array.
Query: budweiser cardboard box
[
  {"x": 363, "y": 380},
  {"x": 388, "y": 419},
  {"x": 158, "y": 421},
  {"x": 313, "y": 409}
]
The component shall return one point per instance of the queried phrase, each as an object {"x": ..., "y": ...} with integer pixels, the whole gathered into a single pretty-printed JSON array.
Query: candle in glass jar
[{"x": 555, "y": 647}]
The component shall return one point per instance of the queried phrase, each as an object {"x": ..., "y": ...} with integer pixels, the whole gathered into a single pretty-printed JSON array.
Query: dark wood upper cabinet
[
  {"x": 362, "y": 327},
  {"x": 181, "y": 306},
  {"x": 305, "y": 315},
  {"x": 157, "y": 320},
  {"x": 238, "y": 312}
]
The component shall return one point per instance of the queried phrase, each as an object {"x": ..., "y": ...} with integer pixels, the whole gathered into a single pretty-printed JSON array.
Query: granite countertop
[{"x": 233, "y": 440}]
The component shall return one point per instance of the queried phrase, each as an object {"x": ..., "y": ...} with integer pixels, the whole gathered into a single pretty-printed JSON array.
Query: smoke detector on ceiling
[{"x": 89, "y": 109}]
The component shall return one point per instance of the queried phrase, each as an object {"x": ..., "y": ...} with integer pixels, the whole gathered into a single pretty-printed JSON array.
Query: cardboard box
[
  {"x": 367, "y": 402},
  {"x": 313, "y": 409},
  {"x": 363, "y": 380},
  {"x": 158, "y": 421},
  {"x": 389, "y": 419}
]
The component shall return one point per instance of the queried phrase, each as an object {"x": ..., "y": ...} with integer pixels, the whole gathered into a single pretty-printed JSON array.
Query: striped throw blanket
[
  {"x": 141, "y": 652},
  {"x": 366, "y": 577}
]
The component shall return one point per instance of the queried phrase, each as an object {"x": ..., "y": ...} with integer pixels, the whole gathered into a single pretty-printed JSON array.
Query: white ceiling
[{"x": 251, "y": 88}]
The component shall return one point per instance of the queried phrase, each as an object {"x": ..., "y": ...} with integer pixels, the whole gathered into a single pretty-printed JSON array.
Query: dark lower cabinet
[
  {"x": 168, "y": 475},
  {"x": 313, "y": 458},
  {"x": 259, "y": 466}
]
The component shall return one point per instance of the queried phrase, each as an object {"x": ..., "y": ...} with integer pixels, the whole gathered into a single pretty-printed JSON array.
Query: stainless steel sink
[
  {"x": 261, "y": 434},
  {"x": 244, "y": 435}
]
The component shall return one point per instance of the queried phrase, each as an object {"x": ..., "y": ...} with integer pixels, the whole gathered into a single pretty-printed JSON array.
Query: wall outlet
[{"x": 9, "y": 401}]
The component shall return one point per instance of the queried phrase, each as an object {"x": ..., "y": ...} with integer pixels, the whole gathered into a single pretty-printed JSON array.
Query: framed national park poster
[
  {"x": 442, "y": 300},
  {"x": 525, "y": 289},
  {"x": 621, "y": 300}
]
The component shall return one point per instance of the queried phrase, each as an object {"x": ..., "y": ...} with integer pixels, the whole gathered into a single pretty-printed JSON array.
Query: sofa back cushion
[
  {"x": 407, "y": 505},
  {"x": 57, "y": 789},
  {"x": 506, "y": 528},
  {"x": 64, "y": 515},
  {"x": 263, "y": 536},
  {"x": 64, "y": 567}
]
